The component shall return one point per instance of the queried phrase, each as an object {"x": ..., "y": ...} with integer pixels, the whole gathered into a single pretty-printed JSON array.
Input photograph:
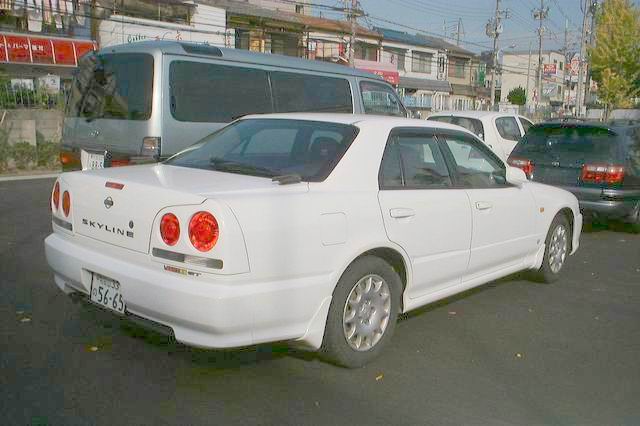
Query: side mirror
[{"x": 516, "y": 176}]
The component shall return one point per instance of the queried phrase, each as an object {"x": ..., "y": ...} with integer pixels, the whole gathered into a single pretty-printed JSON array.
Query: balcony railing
[{"x": 423, "y": 101}]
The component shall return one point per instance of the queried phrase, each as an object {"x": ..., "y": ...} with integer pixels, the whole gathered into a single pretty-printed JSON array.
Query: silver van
[{"x": 146, "y": 101}]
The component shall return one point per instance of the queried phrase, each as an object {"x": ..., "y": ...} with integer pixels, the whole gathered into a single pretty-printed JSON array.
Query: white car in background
[
  {"x": 316, "y": 229},
  {"x": 500, "y": 131}
]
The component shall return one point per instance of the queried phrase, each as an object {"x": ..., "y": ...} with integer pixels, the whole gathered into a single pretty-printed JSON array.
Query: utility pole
[
  {"x": 459, "y": 31},
  {"x": 565, "y": 53},
  {"x": 352, "y": 38},
  {"x": 583, "y": 51},
  {"x": 593, "y": 9},
  {"x": 494, "y": 29},
  {"x": 528, "y": 74},
  {"x": 540, "y": 14}
]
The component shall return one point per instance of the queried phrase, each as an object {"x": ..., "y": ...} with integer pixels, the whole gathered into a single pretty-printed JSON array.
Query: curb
[{"x": 28, "y": 177}]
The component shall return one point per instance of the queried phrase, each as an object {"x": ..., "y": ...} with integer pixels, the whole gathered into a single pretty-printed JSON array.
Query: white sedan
[
  {"x": 501, "y": 131},
  {"x": 313, "y": 229}
]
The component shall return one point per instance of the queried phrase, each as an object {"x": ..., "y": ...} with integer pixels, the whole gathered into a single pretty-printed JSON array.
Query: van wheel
[
  {"x": 557, "y": 247},
  {"x": 363, "y": 312}
]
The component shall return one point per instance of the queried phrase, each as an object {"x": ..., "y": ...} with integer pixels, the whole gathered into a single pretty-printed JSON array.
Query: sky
[{"x": 433, "y": 16}]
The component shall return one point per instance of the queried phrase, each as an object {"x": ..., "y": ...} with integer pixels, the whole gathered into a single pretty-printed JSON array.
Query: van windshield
[
  {"x": 113, "y": 86},
  {"x": 271, "y": 147}
]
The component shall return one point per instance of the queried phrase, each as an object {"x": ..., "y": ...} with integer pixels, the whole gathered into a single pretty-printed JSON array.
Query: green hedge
[{"x": 27, "y": 156}]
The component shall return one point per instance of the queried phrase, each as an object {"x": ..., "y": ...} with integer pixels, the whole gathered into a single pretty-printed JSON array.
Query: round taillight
[
  {"x": 170, "y": 229},
  {"x": 203, "y": 231},
  {"x": 66, "y": 203},
  {"x": 56, "y": 195}
]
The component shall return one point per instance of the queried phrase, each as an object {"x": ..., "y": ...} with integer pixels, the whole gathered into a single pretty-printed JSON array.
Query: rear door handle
[
  {"x": 400, "y": 213},
  {"x": 483, "y": 205}
]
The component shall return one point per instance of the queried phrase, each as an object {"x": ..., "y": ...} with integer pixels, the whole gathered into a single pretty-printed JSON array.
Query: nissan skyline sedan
[{"x": 314, "y": 229}]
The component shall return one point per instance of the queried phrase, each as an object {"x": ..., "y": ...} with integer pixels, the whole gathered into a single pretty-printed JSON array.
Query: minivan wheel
[
  {"x": 363, "y": 312},
  {"x": 557, "y": 248}
]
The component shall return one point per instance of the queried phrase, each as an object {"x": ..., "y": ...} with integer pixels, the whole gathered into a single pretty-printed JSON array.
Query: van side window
[
  {"x": 294, "y": 92},
  {"x": 202, "y": 92},
  {"x": 381, "y": 99}
]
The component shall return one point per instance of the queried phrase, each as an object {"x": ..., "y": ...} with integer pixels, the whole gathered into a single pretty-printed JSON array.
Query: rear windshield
[
  {"x": 271, "y": 147},
  {"x": 112, "y": 86},
  {"x": 471, "y": 124},
  {"x": 572, "y": 142}
]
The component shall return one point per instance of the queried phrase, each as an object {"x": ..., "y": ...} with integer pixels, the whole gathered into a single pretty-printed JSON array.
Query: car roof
[
  {"x": 472, "y": 114},
  {"x": 358, "y": 120},
  {"x": 206, "y": 51},
  {"x": 616, "y": 127}
]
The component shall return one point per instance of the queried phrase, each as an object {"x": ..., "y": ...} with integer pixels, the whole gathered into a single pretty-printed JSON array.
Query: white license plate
[
  {"x": 106, "y": 293},
  {"x": 92, "y": 161}
]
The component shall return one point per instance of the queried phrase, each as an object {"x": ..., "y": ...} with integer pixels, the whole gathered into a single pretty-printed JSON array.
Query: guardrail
[{"x": 424, "y": 101}]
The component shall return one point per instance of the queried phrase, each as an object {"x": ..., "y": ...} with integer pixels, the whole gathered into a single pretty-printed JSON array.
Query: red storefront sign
[
  {"x": 389, "y": 72},
  {"x": 42, "y": 50},
  {"x": 392, "y": 77}
]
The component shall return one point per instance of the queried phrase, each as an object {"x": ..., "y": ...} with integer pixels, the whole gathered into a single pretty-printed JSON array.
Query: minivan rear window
[
  {"x": 294, "y": 92},
  {"x": 571, "y": 143},
  {"x": 112, "y": 86},
  {"x": 202, "y": 92}
]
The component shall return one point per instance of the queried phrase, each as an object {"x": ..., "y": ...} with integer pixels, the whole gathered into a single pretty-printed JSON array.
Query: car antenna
[{"x": 287, "y": 179}]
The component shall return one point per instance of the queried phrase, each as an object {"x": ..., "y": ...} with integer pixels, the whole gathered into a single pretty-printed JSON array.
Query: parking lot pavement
[{"x": 510, "y": 352}]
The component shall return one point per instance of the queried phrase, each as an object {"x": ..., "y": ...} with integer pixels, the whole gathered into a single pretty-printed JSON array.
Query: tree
[
  {"x": 517, "y": 96},
  {"x": 615, "y": 58}
]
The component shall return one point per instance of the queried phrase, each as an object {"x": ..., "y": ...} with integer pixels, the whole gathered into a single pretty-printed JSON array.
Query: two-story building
[{"x": 520, "y": 69}]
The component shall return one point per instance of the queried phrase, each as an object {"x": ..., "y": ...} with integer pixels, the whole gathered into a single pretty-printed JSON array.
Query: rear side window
[
  {"x": 526, "y": 124},
  {"x": 471, "y": 124},
  {"x": 202, "y": 92},
  {"x": 413, "y": 161},
  {"x": 572, "y": 142},
  {"x": 302, "y": 93},
  {"x": 381, "y": 99},
  {"x": 508, "y": 128}
]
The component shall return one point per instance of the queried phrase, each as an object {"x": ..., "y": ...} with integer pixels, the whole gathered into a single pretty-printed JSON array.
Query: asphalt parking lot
[{"x": 510, "y": 352}]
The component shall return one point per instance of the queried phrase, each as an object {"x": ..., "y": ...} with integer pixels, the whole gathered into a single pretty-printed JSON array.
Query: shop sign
[
  {"x": 550, "y": 69},
  {"x": 42, "y": 50}
]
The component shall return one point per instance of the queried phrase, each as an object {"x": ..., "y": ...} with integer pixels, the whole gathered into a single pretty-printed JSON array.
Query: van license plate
[
  {"x": 92, "y": 161},
  {"x": 106, "y": 293}
]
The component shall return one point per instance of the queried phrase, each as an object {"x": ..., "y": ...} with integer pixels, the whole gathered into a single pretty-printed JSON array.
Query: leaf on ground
[
  {"x": 519, "y": 355},
  {"x": 92, "y": 348},
  {"x": 379, "y": 377},
  {"x": 25, "y": 319},
  {"x": 453, "y": 313}
]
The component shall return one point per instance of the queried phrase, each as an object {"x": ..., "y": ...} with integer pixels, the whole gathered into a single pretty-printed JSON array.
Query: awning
[
  {"x": 21, "y": 49},
  {"x": 425, "y": 84},
  {"x": 388, "y": 72}
]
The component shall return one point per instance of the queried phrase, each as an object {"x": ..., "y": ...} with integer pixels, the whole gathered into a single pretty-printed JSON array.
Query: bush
[
  {"x": 48, "y": 154},
  {"x": 24, "y": 154}
]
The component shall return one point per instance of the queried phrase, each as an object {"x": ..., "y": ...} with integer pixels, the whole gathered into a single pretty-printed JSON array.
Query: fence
[{"x": 20, "y": 97}]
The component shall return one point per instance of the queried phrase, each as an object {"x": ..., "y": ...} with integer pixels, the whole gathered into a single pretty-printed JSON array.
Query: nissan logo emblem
[{"x": 108, "y": 202}]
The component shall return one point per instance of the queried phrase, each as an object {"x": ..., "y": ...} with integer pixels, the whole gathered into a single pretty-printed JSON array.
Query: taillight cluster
[
  {"x": 602, "y": 173},
  {"x": 522, "y": 163},
  {"x": 66, "y": 199},
  {"x": 203, "y": 230}
]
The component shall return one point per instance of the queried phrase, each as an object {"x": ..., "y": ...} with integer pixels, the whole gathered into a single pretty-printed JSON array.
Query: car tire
[
  {"x": 365, "y": 303},
  {"x": 557, "y": 249}
]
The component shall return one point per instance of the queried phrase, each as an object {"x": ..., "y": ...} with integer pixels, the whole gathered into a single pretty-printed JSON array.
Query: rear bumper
[
  {"x": 209, "y": 312},
  {"x": 611, "y": 203}
]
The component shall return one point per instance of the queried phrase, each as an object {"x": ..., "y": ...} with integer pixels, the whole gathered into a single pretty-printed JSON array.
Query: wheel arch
[{"x": 568, "y": 214}]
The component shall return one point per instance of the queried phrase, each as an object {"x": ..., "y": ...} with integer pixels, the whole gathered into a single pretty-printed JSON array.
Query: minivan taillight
[
  {"x": 203, "y": 231},
  {"x": 602, "y": 173},
  {"x": 170, "y": 229},
  {"x": 522, "y": 163},
  {"x": 151, "y": 146}
]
